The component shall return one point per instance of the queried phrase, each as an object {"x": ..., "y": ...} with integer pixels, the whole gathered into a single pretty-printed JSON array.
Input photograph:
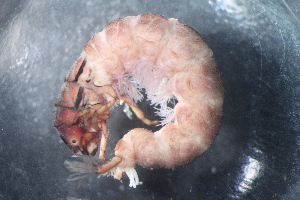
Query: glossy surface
[{"x": 256, "y": 154}]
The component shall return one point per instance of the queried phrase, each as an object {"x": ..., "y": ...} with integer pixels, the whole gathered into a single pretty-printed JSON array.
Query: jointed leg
[
  {"x": 88, "y": 112},
  {"x": 139, "y": 113},
  {"x": 106, "y": 107},
  {"x": 103, "y": 143},
  {"x": 100, "y": 109}
]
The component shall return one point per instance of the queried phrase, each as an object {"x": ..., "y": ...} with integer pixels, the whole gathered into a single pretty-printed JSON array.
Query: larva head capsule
[
  {"x": 80, "y": 143},
  {"x": 72, "y": 135}
]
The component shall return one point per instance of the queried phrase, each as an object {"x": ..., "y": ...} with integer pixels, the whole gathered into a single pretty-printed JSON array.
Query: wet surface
[{"x": 256, "y": 154}]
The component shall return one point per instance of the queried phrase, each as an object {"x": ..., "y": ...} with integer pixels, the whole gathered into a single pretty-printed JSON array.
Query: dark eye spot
[{"x": 73, "y": 141}]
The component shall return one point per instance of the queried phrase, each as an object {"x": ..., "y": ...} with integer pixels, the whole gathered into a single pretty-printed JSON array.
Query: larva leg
[
  {"x": 108, "y": 89},
  {"x": 104, "y": 116},
  {"x": 103, "y": 168},
  {"x": 139, "y": 113},
  {"x": 110, "y": 92},
  {"x": 101, "y": 110},
  {"x": 106, "y": 107},
  {"x": 102, "y": 124},
  {"x": 88, "y": 111}
]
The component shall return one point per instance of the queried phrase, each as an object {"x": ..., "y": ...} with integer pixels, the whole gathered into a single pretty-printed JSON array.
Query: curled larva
[{"x": 166, "y": 58}]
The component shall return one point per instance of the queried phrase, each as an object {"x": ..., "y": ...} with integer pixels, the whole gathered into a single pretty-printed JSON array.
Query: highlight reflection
[{"x": 250, "y": 172}]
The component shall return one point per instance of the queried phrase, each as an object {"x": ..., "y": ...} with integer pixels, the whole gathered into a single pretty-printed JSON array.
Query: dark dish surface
[{"x": 256, "y": 153}]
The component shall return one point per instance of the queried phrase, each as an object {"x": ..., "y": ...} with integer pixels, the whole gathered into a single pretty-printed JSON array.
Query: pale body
[{"x": 168, "y": 59}]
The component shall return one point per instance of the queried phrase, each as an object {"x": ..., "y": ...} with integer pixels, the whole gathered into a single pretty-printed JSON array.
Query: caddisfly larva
[{"x": 166, "y": 58}]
